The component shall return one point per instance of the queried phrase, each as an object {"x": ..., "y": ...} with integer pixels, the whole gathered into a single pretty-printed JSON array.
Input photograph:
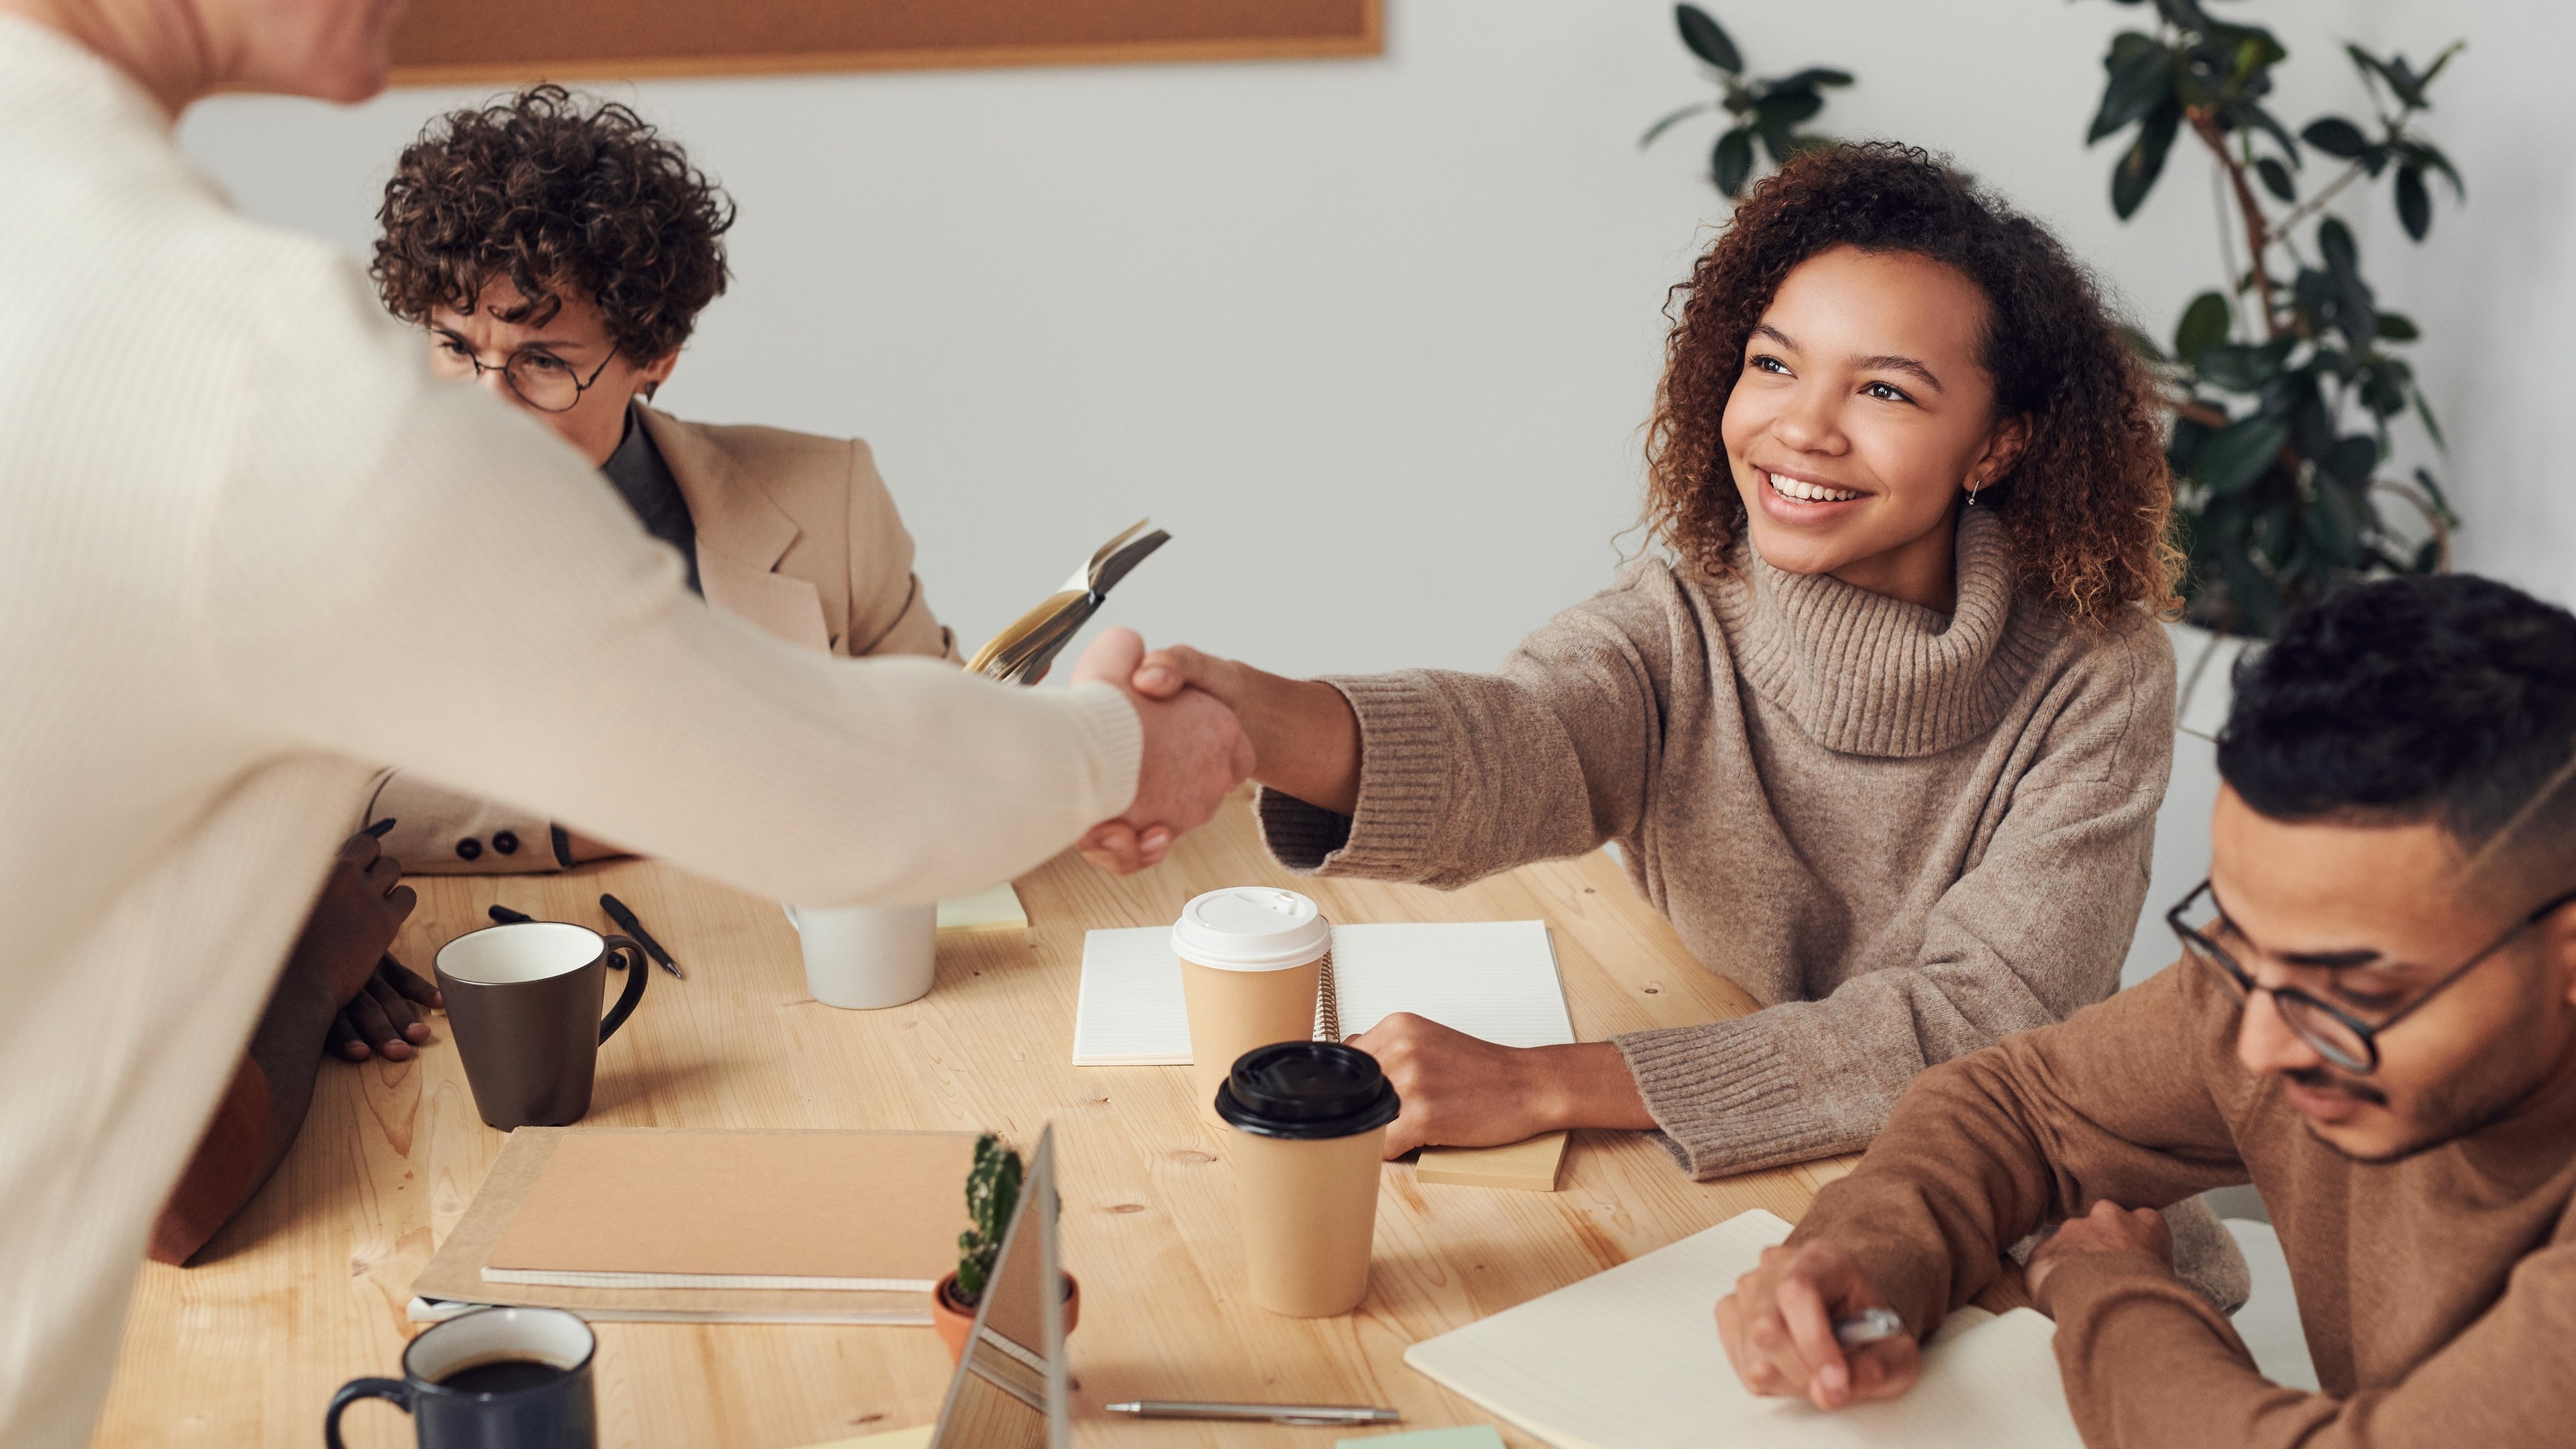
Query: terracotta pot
[{"x": 955, "y": 1321}]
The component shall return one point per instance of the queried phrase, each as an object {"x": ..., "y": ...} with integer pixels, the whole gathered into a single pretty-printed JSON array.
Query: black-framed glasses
[
  {"x": 540, "y": 379},
  {"x": 2339, "y": 1036}
]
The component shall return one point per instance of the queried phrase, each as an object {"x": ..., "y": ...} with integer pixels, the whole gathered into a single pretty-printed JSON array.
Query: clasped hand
[{"x": 1195, "y": 754}]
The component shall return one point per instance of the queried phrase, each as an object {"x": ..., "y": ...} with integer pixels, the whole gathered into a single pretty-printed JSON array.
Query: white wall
[{"x": 1374, "y": 337}]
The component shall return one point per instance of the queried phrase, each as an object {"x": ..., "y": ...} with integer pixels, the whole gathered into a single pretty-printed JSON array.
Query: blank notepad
[
  {"x": 1495, "y": 980},
  {"x": 1630, "y": 1359}
]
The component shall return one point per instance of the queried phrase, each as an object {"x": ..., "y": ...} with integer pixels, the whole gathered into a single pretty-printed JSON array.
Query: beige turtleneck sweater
[{"x": 1906, "y": 835}]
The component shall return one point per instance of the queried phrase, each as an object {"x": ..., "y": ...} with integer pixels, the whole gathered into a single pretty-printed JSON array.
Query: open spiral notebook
[
  {"x": 1629, "y": 1359},
  {"x": 1491, "y": 979}
]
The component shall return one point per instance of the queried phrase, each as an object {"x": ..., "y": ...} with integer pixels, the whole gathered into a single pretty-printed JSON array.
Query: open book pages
[
  {"x": 1496, "y": 980},
  {"x": 1630, "y": 1359},
  {"x": 1022, "y": 652}
]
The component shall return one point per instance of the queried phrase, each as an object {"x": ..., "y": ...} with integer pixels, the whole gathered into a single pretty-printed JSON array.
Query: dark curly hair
[
  {"x": 2087, "y": 504},
  {"x": 2451, "y": 699},
  {"x": 557, "y": 193}
]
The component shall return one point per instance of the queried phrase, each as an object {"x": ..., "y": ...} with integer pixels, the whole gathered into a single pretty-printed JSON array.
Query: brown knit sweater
[
  {"x": 2438, "y": 1293},
  {"x": 1906, "y": 835}
]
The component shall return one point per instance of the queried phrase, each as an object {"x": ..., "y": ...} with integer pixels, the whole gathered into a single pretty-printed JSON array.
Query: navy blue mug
[{"x": 496, "y": 1378}]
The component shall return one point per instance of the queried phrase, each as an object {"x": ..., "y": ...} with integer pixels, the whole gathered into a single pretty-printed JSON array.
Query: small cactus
[{"x": 992, "y": 1192}]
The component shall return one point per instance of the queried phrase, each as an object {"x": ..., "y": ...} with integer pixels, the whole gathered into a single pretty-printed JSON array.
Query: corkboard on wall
[{"x": 446, "y": 42}]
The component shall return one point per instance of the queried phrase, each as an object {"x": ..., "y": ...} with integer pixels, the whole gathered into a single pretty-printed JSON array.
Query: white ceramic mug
[{"x": 864, "y": 957}]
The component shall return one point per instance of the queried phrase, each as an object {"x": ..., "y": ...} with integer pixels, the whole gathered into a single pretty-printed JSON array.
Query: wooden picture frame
[{"x": 453, "y": 42}]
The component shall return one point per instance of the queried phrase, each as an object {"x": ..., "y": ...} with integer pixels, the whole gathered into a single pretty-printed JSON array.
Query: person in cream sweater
[{"x": 250, "y": 546}]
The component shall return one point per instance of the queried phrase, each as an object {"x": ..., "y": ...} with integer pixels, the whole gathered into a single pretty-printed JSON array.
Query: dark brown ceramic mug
[{"x": 523, "y": 1003}]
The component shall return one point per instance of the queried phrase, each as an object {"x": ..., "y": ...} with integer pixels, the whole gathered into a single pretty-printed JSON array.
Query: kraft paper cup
[
  {"x": 1310, "y": 1120},
  {"x": 1252, "y": 958}
]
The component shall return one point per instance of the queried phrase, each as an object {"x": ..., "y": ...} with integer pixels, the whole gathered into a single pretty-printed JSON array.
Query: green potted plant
[
  {"x": 2284, "y": 386},
  {"x": 992, "y": 1195}
]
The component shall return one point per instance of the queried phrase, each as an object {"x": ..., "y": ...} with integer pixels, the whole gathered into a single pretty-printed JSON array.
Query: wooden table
[{"x": 307, "y": 1288}]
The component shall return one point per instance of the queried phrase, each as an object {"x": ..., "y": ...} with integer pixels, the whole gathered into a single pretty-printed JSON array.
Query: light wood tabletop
[{"x": 307, "y": 1288}]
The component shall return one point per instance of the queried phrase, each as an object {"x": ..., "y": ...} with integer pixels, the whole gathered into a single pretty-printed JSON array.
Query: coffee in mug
[
  {"x": 1311, "y": 1122},
  {"x": 865, "y": 957},
  {"x": 1252, "y": 958},
  {"x": 523, "y": 1004},
  {"x": 497, "y": 1378}
]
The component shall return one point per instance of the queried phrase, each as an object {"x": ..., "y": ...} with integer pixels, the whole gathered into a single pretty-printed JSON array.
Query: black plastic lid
[{"x": 1306, "y": 1090}]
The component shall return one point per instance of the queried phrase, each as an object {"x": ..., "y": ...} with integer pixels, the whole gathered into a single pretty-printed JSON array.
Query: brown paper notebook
[{"x": 909, "y": 1185}]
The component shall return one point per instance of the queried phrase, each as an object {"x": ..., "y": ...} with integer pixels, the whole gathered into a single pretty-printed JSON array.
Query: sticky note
[
  {"x": 1480, "y": 1436},
  {"x": 1529, "y": 1166}
]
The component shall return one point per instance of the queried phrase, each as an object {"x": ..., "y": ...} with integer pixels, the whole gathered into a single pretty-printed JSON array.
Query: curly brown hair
[
  {"x": 557, "y": 193},
  {"x": 2088, "y": 503}
]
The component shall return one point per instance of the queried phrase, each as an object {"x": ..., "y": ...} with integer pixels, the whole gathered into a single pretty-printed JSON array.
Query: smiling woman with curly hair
[
  {"x": 559, "y": 249},
  {"x": 1884, "y": 732}
]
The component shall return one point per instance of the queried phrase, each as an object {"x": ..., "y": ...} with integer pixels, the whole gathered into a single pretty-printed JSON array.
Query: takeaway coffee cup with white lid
[
  {"x": 1251, "y": 959},
  {"x": 1310, "y": 1120}
]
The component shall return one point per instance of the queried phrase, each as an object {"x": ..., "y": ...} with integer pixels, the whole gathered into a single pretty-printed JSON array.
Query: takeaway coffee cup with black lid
[
  {"x": 1251, "y": 960},
  {"x": 1310, "y": 1121}
]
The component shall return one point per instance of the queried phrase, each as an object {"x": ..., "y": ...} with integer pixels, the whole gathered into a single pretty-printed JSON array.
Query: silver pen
[
  {"x": 1258, "y": 1413},
  {"x": 1870, "y": 1325}
]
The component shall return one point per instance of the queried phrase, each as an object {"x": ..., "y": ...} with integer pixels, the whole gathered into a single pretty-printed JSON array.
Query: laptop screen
[{"x": 1009, "y": 1391}]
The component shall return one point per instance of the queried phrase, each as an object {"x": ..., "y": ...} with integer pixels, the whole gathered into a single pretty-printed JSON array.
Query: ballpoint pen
[
  {"x": 1258, "y": 1413},
  {"x": 508, "y": 917},
  {"x": 379, "y": 828},
  {"x": 1870, "y": 1325},
  {"x": 626, "y": 922}
]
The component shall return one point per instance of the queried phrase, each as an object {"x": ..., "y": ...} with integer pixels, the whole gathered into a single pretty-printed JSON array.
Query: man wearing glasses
[{"x": 2374, "y": 1023}]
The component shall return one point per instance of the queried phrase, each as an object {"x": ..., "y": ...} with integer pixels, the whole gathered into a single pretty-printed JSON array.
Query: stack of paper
[{"x": 1630, "y": 1359}]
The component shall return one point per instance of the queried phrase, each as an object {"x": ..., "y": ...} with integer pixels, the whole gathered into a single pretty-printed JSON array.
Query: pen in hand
[
  {"x": 379, "y": 828},
  {"x": 1870, "y": 1325}
]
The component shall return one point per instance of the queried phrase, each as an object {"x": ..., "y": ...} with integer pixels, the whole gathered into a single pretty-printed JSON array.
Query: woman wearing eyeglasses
[{"x": 558, "y": 251}]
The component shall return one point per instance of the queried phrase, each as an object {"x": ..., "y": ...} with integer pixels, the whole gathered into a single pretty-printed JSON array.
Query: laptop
[{"x": 1009, "y": 1391}]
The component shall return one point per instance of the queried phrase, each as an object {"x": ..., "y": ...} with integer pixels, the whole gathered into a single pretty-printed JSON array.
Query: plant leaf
[
  {"x": 2403, "y": 83},
  {"x": 2336, "y": 137},
  {"x": 2429, "y": 157},
  {"x": 1685, "y": 113},
  {"x": 2237, "y": 367},
  {"x": 2241, "y": 452},
  {"x": 2276, "y": 177},
  {"x": 2141, "y": 75},
  {"x": 2414, "y": 204},
  {"x": 2204, "y": 325},
  {"x": 1731, "y": 162},
  {"x": 2355, "y": 313},
  {"x": 1811, "y": 77},
  {"x": 1786, "y": 108},
  {"x": 1708, "y": 40},
  {"x": 2136, "y": 174},
  {"x": 2351, "y": 459},
  {"x": 2397, "y": 327},
  {"x": 2245, "y": 112},
  {"x": 2424, "y": 414}
]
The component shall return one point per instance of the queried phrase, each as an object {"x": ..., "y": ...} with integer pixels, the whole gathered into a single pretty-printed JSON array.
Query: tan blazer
[{"x": 796, "y": 533}]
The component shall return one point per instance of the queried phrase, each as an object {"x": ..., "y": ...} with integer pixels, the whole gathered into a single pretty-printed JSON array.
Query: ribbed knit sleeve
[{"x": 1464, "y": 775}]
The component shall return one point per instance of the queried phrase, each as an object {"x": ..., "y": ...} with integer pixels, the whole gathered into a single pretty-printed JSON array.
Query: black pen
[
  {"x": 626, "y": 922},
  {"x": 380, "y": 827},
  {"x": 508, "y": 917}
]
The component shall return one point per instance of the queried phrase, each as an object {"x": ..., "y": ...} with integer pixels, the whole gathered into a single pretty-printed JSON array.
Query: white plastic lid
[{"x": 1251, "y": 928}]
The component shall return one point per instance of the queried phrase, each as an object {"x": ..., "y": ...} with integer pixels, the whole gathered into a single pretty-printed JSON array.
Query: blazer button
[
  {"x": 468, "y": 848},
  {"x": 506, "y": 841}
]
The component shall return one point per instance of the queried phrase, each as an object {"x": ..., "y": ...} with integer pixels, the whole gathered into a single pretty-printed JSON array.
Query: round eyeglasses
[
  {"x": 536, "y": 377},
  {"x": 2337, "y": 1035}
]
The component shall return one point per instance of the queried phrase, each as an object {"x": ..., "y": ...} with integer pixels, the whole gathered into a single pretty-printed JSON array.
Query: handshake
[{"x": 1196, "y": 749}]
